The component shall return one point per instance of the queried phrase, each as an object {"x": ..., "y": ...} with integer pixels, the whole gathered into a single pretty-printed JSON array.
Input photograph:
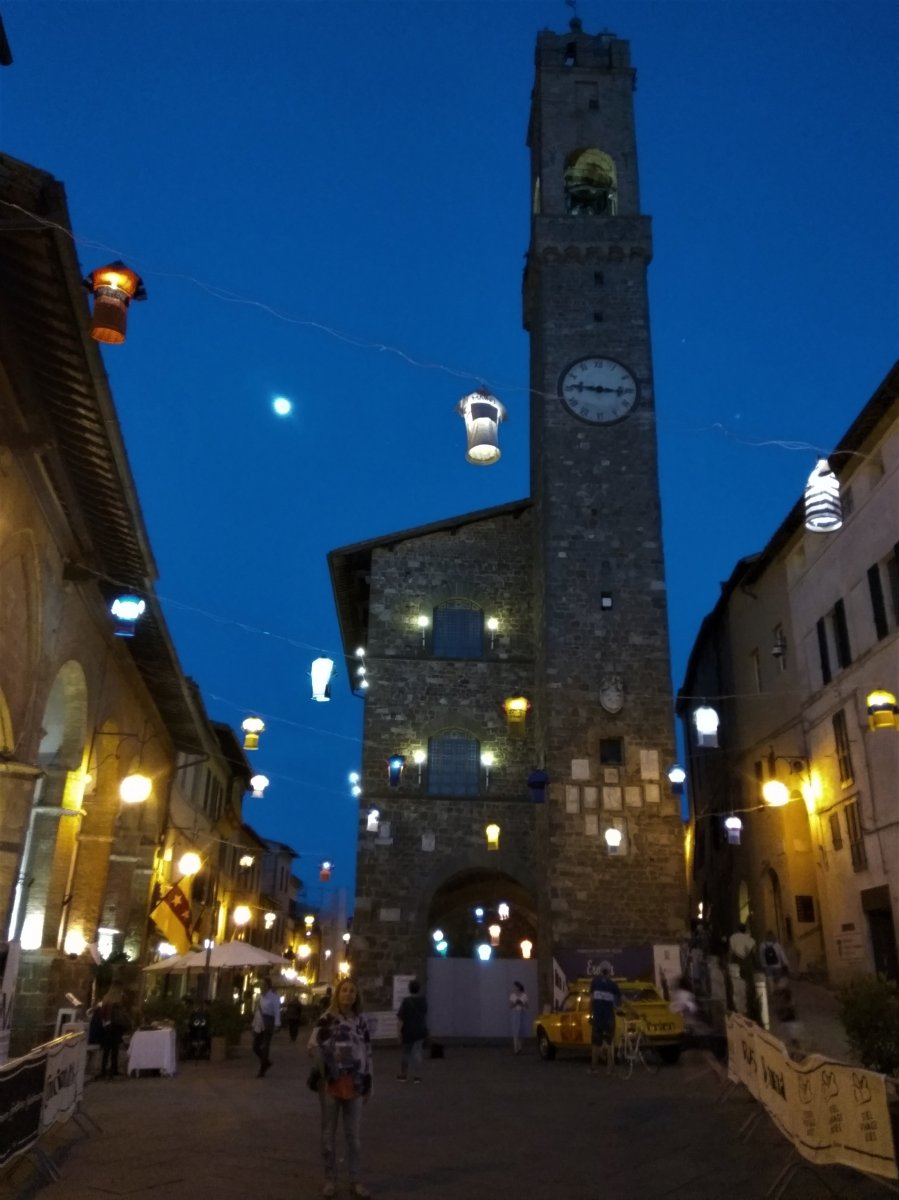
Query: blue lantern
[{"x": 395, "y": 766}]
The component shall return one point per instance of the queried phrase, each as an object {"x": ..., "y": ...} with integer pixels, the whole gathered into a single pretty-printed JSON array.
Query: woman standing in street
[
  {"x": 341, "y": 1046},
  {"x": 518, "y": 1004}
]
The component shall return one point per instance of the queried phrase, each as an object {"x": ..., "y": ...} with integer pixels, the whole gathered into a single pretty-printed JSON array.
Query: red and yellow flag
[{"x": 172, "y": 917}]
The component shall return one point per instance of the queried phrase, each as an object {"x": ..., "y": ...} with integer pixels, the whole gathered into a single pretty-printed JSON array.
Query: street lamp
[{"x": 135, "y": 789}]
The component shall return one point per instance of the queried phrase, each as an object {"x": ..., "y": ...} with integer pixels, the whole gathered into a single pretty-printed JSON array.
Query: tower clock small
[{"x": 598, "y": 390}]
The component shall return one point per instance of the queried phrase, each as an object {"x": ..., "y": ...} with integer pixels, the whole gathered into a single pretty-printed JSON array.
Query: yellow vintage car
[{"x": 569, "y": 1028}]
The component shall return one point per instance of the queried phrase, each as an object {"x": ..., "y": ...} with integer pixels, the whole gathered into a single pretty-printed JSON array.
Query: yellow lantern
[
  {"x": 492, "y": 834},
  {"x": 527, "y": 947},
  {"x": 882, "y": 710},
  {"x": 113, "y": 288},
  {"x": 516, "y": 709},
  {"x": 252, "y": 727}
]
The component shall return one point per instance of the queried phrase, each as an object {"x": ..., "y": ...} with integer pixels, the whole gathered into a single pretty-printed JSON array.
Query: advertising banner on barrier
[
  {"x": 21, "y": 1100},
  {"x": 64, "y": 1082},
  {"x": 832, "y": 1113}
]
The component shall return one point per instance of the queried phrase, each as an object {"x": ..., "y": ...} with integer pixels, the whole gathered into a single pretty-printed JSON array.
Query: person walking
[
  {"x": 266, "y": 1019},
  {"x": 293, "y": 1015},
  {"x": 605, "y": 998},
  {"x": 111, "y": 1025},
  {"x": 741, "y": 944},
  {"x": 518, "y": 1006},
  {"x": 412, "y": 1015},
  {"x": 341, "y": 1046},
  {"x": 773, "y": 957}
]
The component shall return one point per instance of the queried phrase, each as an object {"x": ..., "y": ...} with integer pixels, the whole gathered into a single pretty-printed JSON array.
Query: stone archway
[{"x": 468, "y": 994}]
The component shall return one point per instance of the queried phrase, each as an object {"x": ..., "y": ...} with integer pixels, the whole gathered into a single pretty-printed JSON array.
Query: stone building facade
[
  {"x": 802, "y": 634},
  {"x": 559, "y": 599}
]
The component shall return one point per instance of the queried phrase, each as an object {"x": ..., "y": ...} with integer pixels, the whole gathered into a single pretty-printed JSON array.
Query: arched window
[
  {"x": 591, "y": 183},
  {"x": 458, "y": 630},
  {"x": 454, "y": 764}
]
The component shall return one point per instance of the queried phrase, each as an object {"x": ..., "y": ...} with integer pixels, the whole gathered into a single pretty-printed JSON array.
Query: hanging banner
[
  {"x": 64, "y": 1083},
  {"x": 21, "y": 1101},
  {"x": 832, "y": 1113}
]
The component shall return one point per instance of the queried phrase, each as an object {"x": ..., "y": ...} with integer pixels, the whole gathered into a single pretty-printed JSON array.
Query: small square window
[{"x": 611, "y": 752}]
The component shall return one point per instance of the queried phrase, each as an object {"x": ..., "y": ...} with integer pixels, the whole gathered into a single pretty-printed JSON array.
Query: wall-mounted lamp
[
  {"x": 135, "y": 789},
  {"x": 823, "y": 511},
  {"x": 734, "y": 827},
  {"x": 775, "y": 792},
  {"x": 127, "y": 610},
  {"x": 482, "y": 414},
  {"x": 423, "y": 621},
  {"x": 396, "y": 764},
  {"x": 113, "y": 288},
  {"x": 883, "y": 711},
  {"x": 258, "y": 783},
  {"x": 322, "y": 670},
  {"x": 488, "y": 758},
  {"x": 189, "y": 863},
  {"x": 419, "y": 757},
  {"x": 677, "y": 776},
  {"x": 491, "y": 832},
  {"x": 252, "y": 727},
  {"x": 705, "y": 722},
  {"x": 492, "y": 627}
]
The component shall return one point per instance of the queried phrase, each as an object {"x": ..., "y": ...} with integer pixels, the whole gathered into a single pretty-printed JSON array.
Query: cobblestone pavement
[{"x": 482, "y": 1123}]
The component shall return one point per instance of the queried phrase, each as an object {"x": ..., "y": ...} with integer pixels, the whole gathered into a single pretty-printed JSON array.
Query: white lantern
[
  {"x": 482, "y": 413},
  {"x": 526, "y": 947},
  {"x": 372, "y": 820},
  {"x": 189, "y": 863},
  {"x": 734, "y": 827},
  {"x": 705, "y": 721},
  {"x": 322, "y": 669},
  {"x": 823, "y": 511},
  {"x": 258, "y": 783},
  {"x": 613, "y": 839}
]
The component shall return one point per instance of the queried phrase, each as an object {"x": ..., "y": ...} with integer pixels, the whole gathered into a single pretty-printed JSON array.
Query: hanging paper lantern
[
  {"x": 482, "y": 413},
  {"x": 252, "y": 727},
  {"x": 395, "y": 766},
  {"x": 734, "y": 827},
  {"x": 494, "y": 931},
  {"x": 127, "y": 610},
  {"x": 113, "y": 288},
  {"x": 882, "y": 710},
  {"x": 372, "y": 820},
  {"x": 322, "y": 670},
  {"x": 492, "y": 835},
  {"x": 324, "y": 871},
  {"x": 538, "y": 782},
  {"x": 258, "y": 783},
  {"x": 516, "y": 709},
  {"x": 613, "y": 838},
  {"x": 527, "y": 947},
  {"x": 705, "y": 721},
  {"x": 676, "y": 776},
  {"x": 823, "y": 511}
]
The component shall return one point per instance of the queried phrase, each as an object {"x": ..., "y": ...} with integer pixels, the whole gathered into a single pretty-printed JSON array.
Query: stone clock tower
[
  {"x": 603, "y": 711},
  {"x": 514, "y": 660}
]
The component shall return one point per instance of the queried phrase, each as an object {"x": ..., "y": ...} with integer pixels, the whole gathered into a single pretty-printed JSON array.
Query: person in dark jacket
[{"x": 412, "y": 1015}]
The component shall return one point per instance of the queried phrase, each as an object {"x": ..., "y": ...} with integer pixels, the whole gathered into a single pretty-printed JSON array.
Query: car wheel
[
  {"x": 669, "y": 1054},
  {"x": 545, "y": 1048}
]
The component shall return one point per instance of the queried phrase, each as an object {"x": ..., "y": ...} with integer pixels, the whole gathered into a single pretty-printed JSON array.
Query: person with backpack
[{"x": 773, "y": 958}]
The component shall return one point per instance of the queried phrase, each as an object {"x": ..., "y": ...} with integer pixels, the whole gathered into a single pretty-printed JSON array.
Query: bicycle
[{"x": 633, "y": 1051}]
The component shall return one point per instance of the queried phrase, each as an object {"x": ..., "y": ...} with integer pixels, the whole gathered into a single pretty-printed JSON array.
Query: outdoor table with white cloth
[{"x": 153, "y": 1050}]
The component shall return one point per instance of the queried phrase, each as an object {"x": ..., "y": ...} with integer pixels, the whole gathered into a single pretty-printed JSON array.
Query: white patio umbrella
[{"x": 228, "y": 954}]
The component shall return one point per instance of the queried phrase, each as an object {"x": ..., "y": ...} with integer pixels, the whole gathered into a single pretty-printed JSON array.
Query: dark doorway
[{"x": 878, "y": 910}]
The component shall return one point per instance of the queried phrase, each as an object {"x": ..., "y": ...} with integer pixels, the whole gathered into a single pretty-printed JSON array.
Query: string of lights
[{"x": 226, "y": 295}]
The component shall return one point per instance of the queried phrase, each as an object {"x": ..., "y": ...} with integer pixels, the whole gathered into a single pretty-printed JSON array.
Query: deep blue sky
[{"x": 360, "y": 168}]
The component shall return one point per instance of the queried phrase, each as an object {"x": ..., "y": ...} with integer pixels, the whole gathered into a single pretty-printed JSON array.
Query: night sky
[{"x": 330, "y": 202}]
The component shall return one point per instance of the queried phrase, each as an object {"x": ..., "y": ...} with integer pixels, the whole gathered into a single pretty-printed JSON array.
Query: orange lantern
[
  {"x": 324, "y": 871},
  {"x": 113, "y": 288}
]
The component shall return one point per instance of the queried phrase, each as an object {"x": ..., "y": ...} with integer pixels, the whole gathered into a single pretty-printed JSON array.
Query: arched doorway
[
  {"x": 772, "y": 906},
  {"x": 483, "y": 917}
]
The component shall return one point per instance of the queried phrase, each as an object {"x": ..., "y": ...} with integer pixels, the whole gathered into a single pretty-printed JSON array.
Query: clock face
[{"x": 598, "y": 390}]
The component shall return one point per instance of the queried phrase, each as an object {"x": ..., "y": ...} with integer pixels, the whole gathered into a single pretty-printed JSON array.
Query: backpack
[{"x": 772, "y": 959}]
